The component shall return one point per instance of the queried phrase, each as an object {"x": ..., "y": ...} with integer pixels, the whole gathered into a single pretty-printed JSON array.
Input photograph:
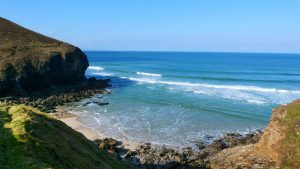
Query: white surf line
[
  {"x": 95, "y": 68},
  {"x": 231, "y": 87},
  {"x": 148, "y": 74},
  {"x": 102, "y": 74}
]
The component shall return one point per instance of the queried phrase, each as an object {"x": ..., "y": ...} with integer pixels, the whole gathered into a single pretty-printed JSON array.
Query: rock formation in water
[
  {"x": 31, "y": 61},
  {"x": 279, "y": 146}
]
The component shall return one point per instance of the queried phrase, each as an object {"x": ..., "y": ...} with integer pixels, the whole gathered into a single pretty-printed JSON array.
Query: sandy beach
[{"x": 71, "y": 120}]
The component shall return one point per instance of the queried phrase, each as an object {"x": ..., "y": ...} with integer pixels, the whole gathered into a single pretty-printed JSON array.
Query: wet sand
[{"x": 71, "y": 120}]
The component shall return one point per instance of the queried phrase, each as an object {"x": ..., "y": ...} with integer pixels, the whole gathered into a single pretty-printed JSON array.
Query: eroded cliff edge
[
  {"x": 31, "y": 61},
  {"x": 279, "y": 146}
]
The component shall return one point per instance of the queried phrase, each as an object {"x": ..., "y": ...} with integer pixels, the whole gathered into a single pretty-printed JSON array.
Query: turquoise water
[{"x": 176, "y": 98}]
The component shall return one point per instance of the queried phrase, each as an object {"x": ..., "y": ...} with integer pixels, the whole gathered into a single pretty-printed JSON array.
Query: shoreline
[
  {"x": 148, "y": 154},
  {"x": 71, "y": 120}
]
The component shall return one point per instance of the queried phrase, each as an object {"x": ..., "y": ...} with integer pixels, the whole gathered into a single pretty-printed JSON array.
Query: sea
[{"x": 178, "y": 98}]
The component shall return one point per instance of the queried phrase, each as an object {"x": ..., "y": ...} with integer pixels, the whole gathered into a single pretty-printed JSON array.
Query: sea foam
[
  {"x": 250, "y": 94},
  {"x": 98, "y": 68},
  {"x": 148, "y": 74},
  {"x": 102, "y": 74},
  {"x": 231, "y": 87}
]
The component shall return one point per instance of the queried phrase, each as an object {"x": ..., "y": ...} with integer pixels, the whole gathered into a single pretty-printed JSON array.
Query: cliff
[
  {"x": 32, "y": 139},
  {"x": 279, "y": 146},
  {"x": 31, "y": 61}
]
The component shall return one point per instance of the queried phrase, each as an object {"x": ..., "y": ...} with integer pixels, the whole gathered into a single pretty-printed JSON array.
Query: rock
[
  {"x": 217, "y": 146},
  {"x": 111, "y": 141},
  {"x": 109, "y": 144},
  {"x": 92, "y": 79},
  {"x": 31, "y": 61},
  {"x": 103, "y": 146},
  {"x": 253, "y": 137},
  {"x": 130, "y": 154},
  {"x": 234, "y": 139},
  {"x": 170, "y": 165},
  {"x": 163, "y": 151},
  {"x": 96, "y": 102},
  {"x": 200, "y": 144}
]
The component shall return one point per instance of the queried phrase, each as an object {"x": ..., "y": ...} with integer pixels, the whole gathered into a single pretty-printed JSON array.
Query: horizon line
[{"x": 170, "y": 51}]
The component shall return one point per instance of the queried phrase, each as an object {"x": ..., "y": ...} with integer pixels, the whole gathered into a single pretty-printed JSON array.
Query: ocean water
[{"x": 176, "y": 98}]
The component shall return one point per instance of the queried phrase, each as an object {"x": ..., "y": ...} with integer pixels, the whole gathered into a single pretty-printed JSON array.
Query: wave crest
[
  {"x": 102, "y": 74},
  {"x": 231, "y": 87},
  {"x": 251, "y": 94},
  {"x": 95, "y": 68},
  {"x": 148, "y": 74}
]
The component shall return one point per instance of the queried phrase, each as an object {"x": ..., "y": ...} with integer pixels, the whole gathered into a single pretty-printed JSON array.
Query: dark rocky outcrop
[
  {"x": 49, "y": 98},
  {"x": 31, "y": 61}
]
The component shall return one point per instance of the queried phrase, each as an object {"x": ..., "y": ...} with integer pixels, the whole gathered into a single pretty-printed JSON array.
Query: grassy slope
[
  {"x": 31, "y": 139},
  {"x": 291, "y": 144}
]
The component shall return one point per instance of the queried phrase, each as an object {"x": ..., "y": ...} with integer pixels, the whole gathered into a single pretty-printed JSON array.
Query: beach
[
  {"x": 147, "y": 154},
  {"x": 71, "y": 120}
]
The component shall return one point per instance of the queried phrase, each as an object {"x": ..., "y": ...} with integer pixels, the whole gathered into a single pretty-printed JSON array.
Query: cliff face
[
  {"x": 31, "y": 61},
  {"x": 279, "y": 146}
]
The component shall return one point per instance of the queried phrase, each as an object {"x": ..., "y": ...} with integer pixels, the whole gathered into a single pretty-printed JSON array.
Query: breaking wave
[
  {"x": 251, "y": 94},
  {"x": 98, "y": 68},
  {"x": 148, "y": 74},
  {"x": 231, "y": 87},
  {"x": 102, "y": 74}
]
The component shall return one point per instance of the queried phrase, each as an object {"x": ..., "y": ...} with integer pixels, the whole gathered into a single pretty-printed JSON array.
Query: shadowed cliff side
[
  {"x": 31, "y": 61},
  {"x": 279, "y": 146}
]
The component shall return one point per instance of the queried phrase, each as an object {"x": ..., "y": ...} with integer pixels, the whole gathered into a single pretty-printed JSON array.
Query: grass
[
  {"x": 291, "y": 144},
  {"x": 29, "y": 139}
]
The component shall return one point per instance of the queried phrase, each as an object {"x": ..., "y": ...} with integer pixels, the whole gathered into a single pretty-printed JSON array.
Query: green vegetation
[
  {"x": 291, "y": 145},
  {"x": 31, "y": 139}
]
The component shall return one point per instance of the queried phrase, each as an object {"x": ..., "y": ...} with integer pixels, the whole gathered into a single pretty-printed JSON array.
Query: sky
[{"x": 164, "y": 25}]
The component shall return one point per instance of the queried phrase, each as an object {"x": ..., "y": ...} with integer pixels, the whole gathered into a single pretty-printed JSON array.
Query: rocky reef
[{"x": 30, "y": 61}]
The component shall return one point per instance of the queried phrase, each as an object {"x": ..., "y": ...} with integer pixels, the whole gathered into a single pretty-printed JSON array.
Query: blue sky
[{"x": 164, "y": 25}]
